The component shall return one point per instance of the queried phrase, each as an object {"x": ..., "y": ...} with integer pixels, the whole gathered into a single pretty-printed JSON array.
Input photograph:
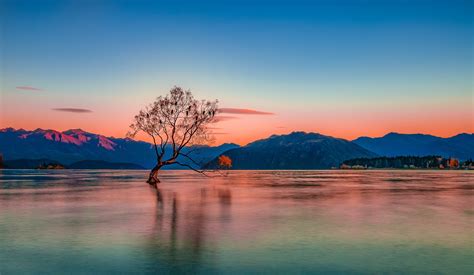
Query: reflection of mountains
[{"x": 181, "y": 237}]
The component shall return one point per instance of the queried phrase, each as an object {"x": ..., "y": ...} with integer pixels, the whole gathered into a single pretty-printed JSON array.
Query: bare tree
[{"x": 174, "y": 122}]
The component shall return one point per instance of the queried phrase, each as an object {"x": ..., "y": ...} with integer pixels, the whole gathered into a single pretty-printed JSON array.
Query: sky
[{"x": 340, "y": 68}]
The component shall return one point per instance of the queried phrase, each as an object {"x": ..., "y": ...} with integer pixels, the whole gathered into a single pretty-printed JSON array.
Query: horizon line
[{"x": 288, "y": 133}]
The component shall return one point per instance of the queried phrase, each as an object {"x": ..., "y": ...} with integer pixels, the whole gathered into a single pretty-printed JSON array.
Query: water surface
[{"x": 84, "y": 222}]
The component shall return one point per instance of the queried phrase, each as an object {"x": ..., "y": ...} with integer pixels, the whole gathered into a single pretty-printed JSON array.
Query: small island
[{"x": 50, "y": 166}]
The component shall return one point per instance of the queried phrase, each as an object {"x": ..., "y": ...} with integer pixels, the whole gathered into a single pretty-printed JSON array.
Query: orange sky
[
  {"x": 242, "y": 128},
  {"x": 343, "y": 70}
]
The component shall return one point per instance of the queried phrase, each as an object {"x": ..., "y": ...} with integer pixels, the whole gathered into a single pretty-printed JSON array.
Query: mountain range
[
  {"x": 393, "y": 144},
  {"x": 76, "y": 145},
  {"x": 297, "y": 150}
]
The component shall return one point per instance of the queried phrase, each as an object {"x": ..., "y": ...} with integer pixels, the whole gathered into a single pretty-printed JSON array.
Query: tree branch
[
  {"x": 192, "y": 160},
  {"x": 192, "y": 168},
  {"x": 155, "y": 146}
]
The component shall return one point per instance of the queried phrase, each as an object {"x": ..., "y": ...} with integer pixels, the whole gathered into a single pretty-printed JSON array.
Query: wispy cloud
[
  {"x": 72, "y": 110},
  {"x": 28, "y": 88},
  {"x": 223, "y": 118},
  {"x": 239, "y": 111}
]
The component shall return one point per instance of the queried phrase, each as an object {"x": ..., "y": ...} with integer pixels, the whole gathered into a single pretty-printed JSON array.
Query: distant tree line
[{"x": 406, "y": 162}]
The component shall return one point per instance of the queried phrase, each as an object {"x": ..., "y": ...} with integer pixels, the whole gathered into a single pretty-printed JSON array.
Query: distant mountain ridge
[
  {"x": 75, "y": 145},
  {"x": 28, "y": 163},
  {"x": 298, "y": 150},
  {"x": 84, "y": 164},
  {"x": 394, "y": 144},
  {"x": 100, "y": 164}
]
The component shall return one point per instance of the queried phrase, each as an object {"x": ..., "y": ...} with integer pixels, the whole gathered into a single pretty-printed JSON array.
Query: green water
[{"x": 285, "y": 222}]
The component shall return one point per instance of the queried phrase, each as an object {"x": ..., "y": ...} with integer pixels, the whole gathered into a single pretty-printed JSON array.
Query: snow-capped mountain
[{"x": 77, "y": 145}]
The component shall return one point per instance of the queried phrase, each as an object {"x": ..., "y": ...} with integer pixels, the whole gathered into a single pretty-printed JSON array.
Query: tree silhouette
[{"x": 173, "y": 122}]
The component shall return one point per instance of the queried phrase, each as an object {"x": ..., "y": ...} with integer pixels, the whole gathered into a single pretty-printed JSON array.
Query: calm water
[{"x": 248, "y": 221}]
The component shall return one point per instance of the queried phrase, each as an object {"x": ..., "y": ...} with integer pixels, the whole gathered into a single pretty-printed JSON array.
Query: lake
[{"x": 385, "y": 221}]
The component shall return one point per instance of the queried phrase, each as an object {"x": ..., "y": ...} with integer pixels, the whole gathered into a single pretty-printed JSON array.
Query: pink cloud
[
  {"x": 239, "y": 111},
  {"x": 28, "y": 88},
  {"x": 72, "y": 110},
  {"x": 223, "y": 118}
]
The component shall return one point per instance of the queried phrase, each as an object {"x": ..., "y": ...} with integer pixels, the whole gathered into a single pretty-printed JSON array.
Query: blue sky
[{"x": 297, "y": 59}]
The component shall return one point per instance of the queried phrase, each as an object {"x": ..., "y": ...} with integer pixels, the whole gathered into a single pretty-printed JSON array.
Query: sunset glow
[{"x": 283, "y": 67}]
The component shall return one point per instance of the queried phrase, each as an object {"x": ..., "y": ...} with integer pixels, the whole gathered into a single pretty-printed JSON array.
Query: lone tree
[{"x": 173, "y": 122}]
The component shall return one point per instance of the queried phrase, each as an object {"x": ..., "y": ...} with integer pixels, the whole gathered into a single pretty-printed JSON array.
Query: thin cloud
[
  {"x": 223, "y": 118},
  {"x": 239, "y": 111},
  {"x": 28, "y": 88},
  {"x": 72, "y": 110}
]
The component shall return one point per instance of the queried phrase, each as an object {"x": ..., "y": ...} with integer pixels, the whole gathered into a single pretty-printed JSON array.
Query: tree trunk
[{"x": 153, "y": 177}]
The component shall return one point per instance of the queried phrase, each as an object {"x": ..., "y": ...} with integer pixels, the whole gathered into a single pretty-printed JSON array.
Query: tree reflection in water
[{"x": 181, "y": 237}]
